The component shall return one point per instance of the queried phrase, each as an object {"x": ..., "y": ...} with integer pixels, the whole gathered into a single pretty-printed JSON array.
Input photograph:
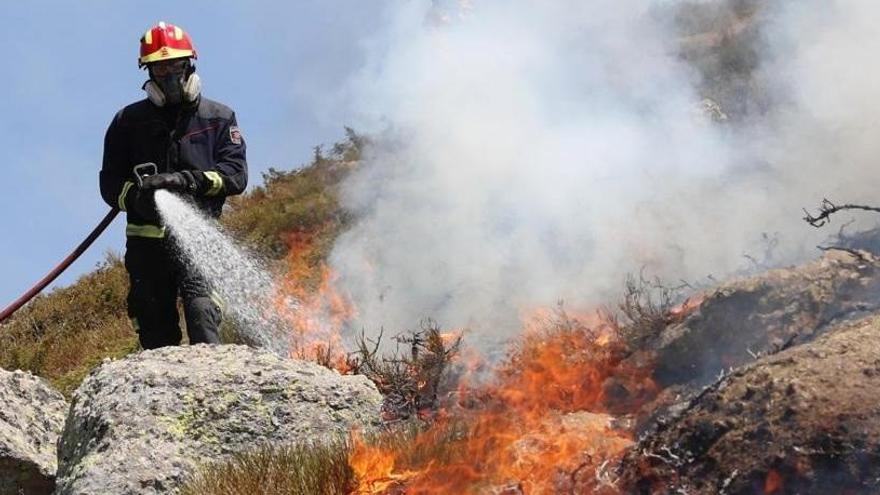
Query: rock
[
  {"x": 760, "y": 315},
  {"x": 31, "y": 417},
  {"x": 142, "y": 424},
  {"x": 805, "y": 420}
]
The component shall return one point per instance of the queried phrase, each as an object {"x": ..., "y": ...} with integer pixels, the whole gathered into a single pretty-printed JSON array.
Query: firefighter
[{"x": 199, "y": 153}]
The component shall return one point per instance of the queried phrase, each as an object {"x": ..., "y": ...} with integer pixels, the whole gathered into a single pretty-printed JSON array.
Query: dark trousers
[{"x": 157, "y": 275}]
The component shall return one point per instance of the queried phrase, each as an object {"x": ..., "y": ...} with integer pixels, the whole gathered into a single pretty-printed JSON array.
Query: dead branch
[
  {"x": 645, "y": 307},
  {"x": 827, "y": 208},
  {"x": 409, "y": 381}
]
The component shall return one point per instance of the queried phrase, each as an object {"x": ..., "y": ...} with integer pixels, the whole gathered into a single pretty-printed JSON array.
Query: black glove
[
  {"x": 187, "y": 181},
  {"x": 143, "y": 203}
]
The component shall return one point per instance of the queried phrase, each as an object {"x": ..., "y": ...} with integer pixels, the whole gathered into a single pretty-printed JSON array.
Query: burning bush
[{"x": 537, "y": 426}]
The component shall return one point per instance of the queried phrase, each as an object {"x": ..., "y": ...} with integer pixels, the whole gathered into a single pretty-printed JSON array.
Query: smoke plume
[{"x": 530, "y": 152}]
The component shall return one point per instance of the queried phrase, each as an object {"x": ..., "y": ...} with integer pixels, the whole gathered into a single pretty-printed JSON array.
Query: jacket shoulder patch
[{"x": 234, "y": 134}]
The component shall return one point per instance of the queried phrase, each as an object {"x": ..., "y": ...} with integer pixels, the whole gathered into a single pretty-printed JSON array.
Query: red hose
[{"x": 33, "y": 291}]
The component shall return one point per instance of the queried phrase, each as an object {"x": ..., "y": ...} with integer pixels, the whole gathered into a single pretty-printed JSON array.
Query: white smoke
[{"x": 537, "y": 151}]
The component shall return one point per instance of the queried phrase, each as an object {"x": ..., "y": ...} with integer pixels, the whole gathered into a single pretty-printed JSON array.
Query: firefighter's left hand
[{"x": 185, "y": 181}]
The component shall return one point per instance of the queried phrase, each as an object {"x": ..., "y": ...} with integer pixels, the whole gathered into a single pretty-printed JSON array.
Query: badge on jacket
[{"x": 235, "y": 134}]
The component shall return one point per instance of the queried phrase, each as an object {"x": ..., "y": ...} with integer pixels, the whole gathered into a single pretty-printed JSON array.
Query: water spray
[{"x": 244, "y": 284}]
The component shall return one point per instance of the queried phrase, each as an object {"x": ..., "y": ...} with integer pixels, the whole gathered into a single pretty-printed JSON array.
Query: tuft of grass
[
  {"x": 321, "y": 469},
  {"x": 326, "y": 468}
]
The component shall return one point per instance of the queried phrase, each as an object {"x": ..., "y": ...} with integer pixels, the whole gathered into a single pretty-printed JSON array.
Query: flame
[
  {"x": 375, "y": 466},
  {"x": 773, "y": 483},
  {"x": 320, "y": 311},
  {"x": 541, "y": 425},
  {"x": 680, "y": 312}
]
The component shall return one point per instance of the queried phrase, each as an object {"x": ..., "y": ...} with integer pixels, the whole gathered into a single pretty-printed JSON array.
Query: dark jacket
[{"x": 201, "y": 136}]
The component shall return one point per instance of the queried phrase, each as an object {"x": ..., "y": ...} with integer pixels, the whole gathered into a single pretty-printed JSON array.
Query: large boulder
[
  {"x": 141, "y": 425},
  {"x": 743, "y": 319},
  {"x": 31, "y": 417},
  {"x": 805, "y": 420}
]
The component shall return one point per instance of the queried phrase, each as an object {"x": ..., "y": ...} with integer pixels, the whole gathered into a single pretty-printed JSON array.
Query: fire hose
[
  {"x": 52, "y": 275},
  {"x": 140, "y": 172}
]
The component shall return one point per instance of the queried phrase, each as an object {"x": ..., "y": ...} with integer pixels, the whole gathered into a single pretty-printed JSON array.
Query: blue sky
[{"x": 70, "y": 66}]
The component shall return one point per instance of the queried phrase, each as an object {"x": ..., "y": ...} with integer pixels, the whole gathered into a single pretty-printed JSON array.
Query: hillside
[{"x": 759, "y": 381}]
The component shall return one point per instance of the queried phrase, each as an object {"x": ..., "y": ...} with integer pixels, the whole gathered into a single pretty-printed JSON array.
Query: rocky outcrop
[
  {"x": 760, "y": 315},
  {"x": 31, "y": 417},
  {"x": 805, "y": 420},
  {"x": 142, "y": 424}
]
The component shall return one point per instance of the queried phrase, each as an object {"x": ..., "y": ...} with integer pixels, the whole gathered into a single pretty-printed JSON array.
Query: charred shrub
[
  {"x": 645, "y": 308},
  {"x": 411, "y": 377}
]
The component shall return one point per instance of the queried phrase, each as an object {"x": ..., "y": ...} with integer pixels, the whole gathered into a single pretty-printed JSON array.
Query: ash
[{"x": 242, "y": 281}]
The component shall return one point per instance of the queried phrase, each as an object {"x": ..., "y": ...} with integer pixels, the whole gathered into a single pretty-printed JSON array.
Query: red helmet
[{"x": 165, "y": 42}]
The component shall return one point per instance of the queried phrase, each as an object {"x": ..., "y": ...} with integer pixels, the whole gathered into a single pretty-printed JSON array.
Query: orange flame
[
  {"x": 540, "y": 426},
  {"x": 375, "y": 467},
  {"x": 321, "y": 311},
  {"x": 680, "y": 312},
  {"x": 773, "y": 483}
]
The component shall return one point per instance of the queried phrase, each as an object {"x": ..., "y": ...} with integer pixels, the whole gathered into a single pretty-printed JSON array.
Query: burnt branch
[
  {"x": 827, "y": 208},
  {"x": 645, "y": 307},
  {"x": 410, "y": 381}
]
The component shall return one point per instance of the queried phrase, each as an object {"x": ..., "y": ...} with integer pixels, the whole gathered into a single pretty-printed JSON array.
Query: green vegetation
[{"x": 62, "y": 335}]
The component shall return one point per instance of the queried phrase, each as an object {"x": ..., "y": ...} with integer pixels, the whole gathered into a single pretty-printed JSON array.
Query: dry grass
[
  {"x": 62, "y": 335},
  {"x": 292, "y": 470},
  {"x": 323, "y": 469},
  {"x": 302, "y": 200}
]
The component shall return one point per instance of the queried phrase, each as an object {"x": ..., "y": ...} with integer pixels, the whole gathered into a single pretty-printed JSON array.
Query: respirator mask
[{"x": 172, "y": 82}]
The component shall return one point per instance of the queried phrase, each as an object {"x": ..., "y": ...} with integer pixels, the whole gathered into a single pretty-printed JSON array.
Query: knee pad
[{"x": 203, "y": 319}]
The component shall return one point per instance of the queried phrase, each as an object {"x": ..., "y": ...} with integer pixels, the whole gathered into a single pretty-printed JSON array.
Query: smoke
[{"x": 528, "y": 152}]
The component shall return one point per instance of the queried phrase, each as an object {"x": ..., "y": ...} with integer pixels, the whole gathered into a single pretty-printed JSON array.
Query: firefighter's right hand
[
  {"x": 144, "y": 204},
  {"x": 173, "y": 181}
]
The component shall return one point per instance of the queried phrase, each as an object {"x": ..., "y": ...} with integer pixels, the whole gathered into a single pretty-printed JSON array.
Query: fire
[
  {"x": 680, "y": 312},
  {"x": 773, "y": 483},
  {"x": 321, "y": 310},
  {"x": 541, "y": 425},
  {"x": 377, "y": 466}
]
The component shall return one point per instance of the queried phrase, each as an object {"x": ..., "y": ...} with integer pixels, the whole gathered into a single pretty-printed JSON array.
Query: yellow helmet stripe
[
  {"x": 148, "y": 37},
  {"x": 178, "y": 33},
  {"x": 165, "y": 54}
]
